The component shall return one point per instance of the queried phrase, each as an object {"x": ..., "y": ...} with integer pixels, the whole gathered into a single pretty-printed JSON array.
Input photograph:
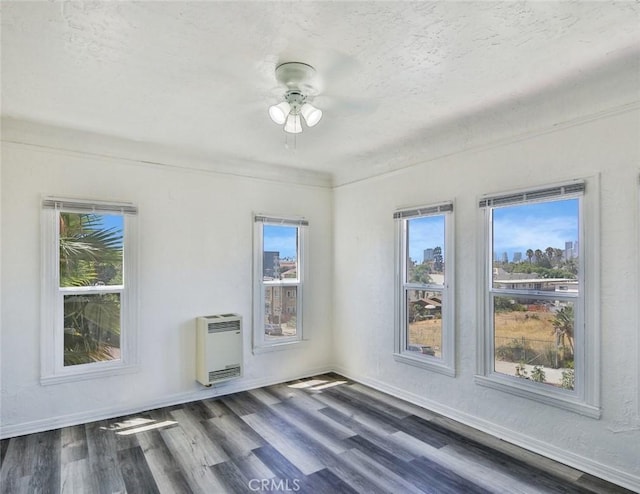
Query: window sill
[
  {"x": 537, "y": 393},
  {"x": 77, "y": 375},
  {"x": 276, "y": 347},
  {"x": 428, "y": 363}
]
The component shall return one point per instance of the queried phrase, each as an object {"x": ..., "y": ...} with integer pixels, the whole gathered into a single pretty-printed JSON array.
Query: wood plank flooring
[{"x": 320, "y": 435}]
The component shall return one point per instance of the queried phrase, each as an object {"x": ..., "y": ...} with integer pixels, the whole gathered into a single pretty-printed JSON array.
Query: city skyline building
[
  {"x": 270, "y": 264},
  {"x": 570, "y": 250}
]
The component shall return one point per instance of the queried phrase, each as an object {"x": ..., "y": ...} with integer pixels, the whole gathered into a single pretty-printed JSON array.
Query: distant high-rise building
[
  {"x": 505, "y": 257},
  {"x": 568, "y": 250},
  {"x": 270, "y": 264},
  {"x": 575, "y": 249},
  {"x": 427, "y": 255},
  {"x": 517, "y": 256}
]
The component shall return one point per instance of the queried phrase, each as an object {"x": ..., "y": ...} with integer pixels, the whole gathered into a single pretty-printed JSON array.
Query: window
[
  {"x": 539, "y": 340},
  {"x": 88, "y": 302},
  {"x": 279, "y": 273},
  {"x": 424, "y": 288}
]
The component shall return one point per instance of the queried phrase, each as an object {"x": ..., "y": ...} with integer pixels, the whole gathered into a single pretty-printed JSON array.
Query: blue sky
[
  {"x": 425, "y": 232},
  {"x": 534, "y": 226},
  {"x": 112, "y": 221},
  {"x": 281, "y": 239}
]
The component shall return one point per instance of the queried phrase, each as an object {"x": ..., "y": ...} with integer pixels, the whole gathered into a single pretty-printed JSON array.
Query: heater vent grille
[{"x": 218, "y": 348}]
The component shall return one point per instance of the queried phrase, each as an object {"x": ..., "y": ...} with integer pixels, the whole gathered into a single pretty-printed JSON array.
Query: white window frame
[
  {"x": 53, "y": 370},
  {"x": 585, "y": 398},
  {"x": 260, "y": 343},
  {"x": 446, "y": 364}
]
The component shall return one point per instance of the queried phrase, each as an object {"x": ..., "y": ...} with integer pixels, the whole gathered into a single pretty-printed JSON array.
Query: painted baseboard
[
  {"x": 586, "y": 465},
  {"x": 7, "y": 431}
]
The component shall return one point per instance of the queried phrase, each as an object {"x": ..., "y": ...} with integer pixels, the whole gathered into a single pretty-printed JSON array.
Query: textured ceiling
[{"x": 199, "y": 76}]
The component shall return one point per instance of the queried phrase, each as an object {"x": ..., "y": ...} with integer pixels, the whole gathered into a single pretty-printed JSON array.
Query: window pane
[
  {"x": 280, "y": 311},
  {"x": 91, "y": 328},
  {"x": 424, "y": 322},
  {"x": 534, "y": 339},
  {"x": 280, "y": 254},
  {"x": 91, "y": 249},
  {"x": 425, "y": 250},
  {"x": 535, "y": 241}
]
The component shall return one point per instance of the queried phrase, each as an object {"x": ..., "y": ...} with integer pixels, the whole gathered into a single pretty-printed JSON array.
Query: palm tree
[
  {"x": 85, "y": 247},
  {"x": 437, "y": 259},
  {"x": 563, "y": 328},
  {"x": 538, "y": 255},
  {"x": 549, "y": 251},
  {"x": 90, "y": 255},
  {"x": 529, "y": 255}
]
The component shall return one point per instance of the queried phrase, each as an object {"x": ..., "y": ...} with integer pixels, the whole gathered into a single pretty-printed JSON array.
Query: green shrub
[
  {"x": 569, "y": 376},
  {"x": 538, "y": 375}
]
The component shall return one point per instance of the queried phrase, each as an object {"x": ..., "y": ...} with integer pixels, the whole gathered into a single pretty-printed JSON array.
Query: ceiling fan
[{"x": 301, "y": 85}]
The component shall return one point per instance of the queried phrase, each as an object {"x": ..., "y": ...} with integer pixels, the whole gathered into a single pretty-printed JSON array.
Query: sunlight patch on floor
[
  {"x": 307, "y": 384},
  {"x": 134, "y": 422},
  {"x": 316, "y": 384},
  {"x": 136, "y": 430},
  {"x": 328, "y": 385},
  {"x": 137, "y": 424}
]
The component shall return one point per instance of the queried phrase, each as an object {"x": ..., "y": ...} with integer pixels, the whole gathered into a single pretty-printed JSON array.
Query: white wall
[
  {"x": 195, "y": 259},
  {"x": 364, "y": 291}
]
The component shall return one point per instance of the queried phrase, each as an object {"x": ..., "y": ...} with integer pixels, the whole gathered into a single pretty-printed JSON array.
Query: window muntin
[
  {"x": 535, "y": 290},
  {"x": 279, "y": 262},
  {"x": 89, "y": 289},
  {"x": 424, "y": 328}
]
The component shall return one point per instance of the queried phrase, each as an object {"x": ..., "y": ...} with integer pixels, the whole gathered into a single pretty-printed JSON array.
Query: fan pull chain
[{"x": 295, "y": 141}]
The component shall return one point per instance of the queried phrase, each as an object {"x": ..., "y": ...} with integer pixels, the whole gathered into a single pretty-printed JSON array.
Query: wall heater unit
[{"x": 218, "y": 348}]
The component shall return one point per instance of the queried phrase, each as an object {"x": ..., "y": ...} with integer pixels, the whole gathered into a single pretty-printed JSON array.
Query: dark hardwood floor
[{"x": 319, "y": 435}]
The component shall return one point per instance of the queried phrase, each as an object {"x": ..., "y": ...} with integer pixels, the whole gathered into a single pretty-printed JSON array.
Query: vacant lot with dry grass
[
  {"x": 534, "y": 326},
  {"x": 427, "y": 333},
  {"x": 527, "y": 324},
  {"x": 520, "y": 336}
]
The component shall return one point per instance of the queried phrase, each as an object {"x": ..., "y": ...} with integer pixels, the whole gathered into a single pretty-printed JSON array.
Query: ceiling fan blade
[{"x": 351, "y": 105}]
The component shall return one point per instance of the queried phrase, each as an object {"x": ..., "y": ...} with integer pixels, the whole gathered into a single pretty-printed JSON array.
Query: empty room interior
[{"x": 320, "y": 246}]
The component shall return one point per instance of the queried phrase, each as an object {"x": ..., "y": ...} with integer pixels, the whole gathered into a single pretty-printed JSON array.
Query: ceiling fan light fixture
[
  {"x": 280, "y": 112},
  {"x": 293, "y": 124},
  {"x": 301, "y": 85},
  {"x": 311, "y": 114}
]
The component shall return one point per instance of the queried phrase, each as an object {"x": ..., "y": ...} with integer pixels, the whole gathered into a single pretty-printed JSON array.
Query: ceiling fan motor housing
[{"x": 297, "y": 76}]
